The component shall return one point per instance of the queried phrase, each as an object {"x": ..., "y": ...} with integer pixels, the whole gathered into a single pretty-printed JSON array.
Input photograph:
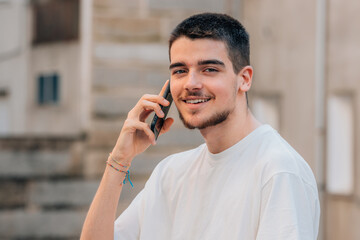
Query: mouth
[{"x": 196, "y": 101}]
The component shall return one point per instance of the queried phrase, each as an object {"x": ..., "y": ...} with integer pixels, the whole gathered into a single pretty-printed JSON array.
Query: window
[
  {"x": 48, "y": 89},
  {"x": 55, "y": 20},
  {"x": 340, "y": 145}
]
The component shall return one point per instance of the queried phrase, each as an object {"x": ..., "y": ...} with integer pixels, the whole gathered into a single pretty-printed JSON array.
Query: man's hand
[{"x": 136, "y": 135}]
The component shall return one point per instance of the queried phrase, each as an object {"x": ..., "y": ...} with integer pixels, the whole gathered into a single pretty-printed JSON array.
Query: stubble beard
[{"x": 215, "y": 119}]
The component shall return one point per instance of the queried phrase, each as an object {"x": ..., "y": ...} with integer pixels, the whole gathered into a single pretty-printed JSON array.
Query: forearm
[{"x": 99, "y": 222}]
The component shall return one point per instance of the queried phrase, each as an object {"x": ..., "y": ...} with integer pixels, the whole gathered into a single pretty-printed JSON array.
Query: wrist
[
  {"x": 114, "y": 176},
  {"x": 123, "y": 169},
  {"x": 119, "y": 158}
]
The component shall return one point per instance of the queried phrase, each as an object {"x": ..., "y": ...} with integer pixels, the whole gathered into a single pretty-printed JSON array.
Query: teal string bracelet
[{"x": 127, "y": 176}]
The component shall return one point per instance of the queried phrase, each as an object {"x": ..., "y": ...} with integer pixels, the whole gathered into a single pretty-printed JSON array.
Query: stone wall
[{"x": 42, "y": 192}]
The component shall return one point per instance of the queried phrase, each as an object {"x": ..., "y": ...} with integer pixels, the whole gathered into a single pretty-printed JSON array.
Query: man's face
[{"x": 203, "y": 83}]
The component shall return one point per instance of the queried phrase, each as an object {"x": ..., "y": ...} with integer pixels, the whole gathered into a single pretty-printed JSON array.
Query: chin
[
  {"x": 190, "y": 122},
  {"x": 213, "y": 120}
]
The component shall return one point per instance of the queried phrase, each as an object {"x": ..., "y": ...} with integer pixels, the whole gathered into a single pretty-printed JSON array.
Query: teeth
[{"x": 194, "y": 101}]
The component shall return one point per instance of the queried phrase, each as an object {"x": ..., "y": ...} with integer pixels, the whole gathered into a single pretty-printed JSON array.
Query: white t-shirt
[{"x": 260, "y": 188}]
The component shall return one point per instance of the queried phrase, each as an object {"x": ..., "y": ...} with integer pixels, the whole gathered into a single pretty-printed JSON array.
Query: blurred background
[{"x": 70, "y": 70}]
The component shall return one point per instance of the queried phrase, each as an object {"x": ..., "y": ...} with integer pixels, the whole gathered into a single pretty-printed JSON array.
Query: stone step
[
  {"x": 110, "y": 4},
  {"x": 13, "y": 194},
  {"x": 35, "y": 164},
  {"x": 184, "y": 5},
  {"x": 68, "y": 193},
  {"x": 110, "y": 105},
  {"x": 173, "y": 8},
  {"x": 18, "y": 224},
  {"x": 107, "y": 77},
  {"x": 138, "y": 54},
  {"x": 127, "y": 29}
]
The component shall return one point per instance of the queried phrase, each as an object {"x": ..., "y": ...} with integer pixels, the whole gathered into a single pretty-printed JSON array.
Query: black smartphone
[{"x": 157, "y": 122}]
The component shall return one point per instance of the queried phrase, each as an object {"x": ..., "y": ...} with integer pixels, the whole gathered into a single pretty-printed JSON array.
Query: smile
[{"x": 196, "y": 101}]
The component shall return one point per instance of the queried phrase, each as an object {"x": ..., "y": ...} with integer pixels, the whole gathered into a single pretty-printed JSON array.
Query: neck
[{"x": 224, "y": 135}]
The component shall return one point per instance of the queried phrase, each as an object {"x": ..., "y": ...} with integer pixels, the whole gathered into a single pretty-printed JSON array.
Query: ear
[{"x": 245, "y": 78}]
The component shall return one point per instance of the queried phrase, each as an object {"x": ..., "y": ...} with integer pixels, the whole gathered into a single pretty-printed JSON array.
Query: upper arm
[
  {"x": 289, "y": 208},
  {"x": 127, "y": 225}
]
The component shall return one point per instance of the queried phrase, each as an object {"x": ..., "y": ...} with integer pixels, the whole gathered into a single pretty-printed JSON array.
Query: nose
[{"x": 193, "y": 82}]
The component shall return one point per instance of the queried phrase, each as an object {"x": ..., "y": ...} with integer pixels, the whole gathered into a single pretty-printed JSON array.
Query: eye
[
  {"x": 210, "y": 70},
  {"x": 178, "y": 71}
]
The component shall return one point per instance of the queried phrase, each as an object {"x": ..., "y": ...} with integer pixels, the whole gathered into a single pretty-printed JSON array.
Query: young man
[{"x": 245, "y": 182}]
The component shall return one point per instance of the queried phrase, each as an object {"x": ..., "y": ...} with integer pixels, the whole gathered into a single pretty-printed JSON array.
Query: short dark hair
[{"x": 218, "y": 27}]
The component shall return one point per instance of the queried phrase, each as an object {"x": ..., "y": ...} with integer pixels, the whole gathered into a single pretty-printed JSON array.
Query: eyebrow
[
  {"x": 178, "y": 64},
  {"x": 201, "y": 62},
  {"x": 211, "y": 61}
]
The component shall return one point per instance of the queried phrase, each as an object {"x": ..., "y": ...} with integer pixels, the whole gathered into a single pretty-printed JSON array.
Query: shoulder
[{"x": 277, "y": 157}]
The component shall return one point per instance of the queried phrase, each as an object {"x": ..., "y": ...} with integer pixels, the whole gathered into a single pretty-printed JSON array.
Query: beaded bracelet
[
  {"x": 127, "y": 176},
  {"x": 110, "y": 155}
]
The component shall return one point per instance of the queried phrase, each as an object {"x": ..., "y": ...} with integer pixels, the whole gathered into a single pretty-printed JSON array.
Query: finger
[
  {"x": 134, "y": 126},
  {"x": 141, "y": 112},
  {"x": 148, "y": 103},
  {"x": 155, "y": 98},
  {"x": 166, "y": 126},
  {"x": 164, "y": 88},
  {"x": 151, "y": 106}
]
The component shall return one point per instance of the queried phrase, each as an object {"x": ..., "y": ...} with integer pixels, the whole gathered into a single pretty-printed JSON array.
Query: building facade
[
  {"x": 65, "y": 95},
  {"x": 44, "y": 111}
]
